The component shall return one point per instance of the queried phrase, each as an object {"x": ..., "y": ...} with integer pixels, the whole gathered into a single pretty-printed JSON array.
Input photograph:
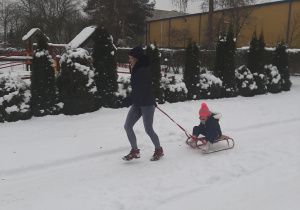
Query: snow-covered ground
[{"x": 74, "y": 162}]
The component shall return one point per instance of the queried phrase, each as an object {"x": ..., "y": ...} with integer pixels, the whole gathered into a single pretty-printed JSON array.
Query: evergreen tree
[
  {"x": 104, "y": 62},
  {"x": 252, "y": 62},
  {"x": 225, "y": 64},
  {"x": 256, "y": 62},
  {"x": 220, "y": 57},
  {"x": 76, "y": 84},
  {"x": 153, "y": 54},
  {"x": 191, "y": 74},
  {"x": 280, "y": 60},
  {"x": 43, "y": 89},
  {"x": 229, "y": 84}
]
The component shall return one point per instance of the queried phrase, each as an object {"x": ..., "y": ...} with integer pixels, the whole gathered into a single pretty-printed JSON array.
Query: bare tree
[
  {"x": 182, "y": 4},
  {"x": 5, "y": 16},
  {"x": 124, "y": 19},
  {"x": 179, "y": 37},
  {"x": 51, "y": 16},
  {"x": 294, "y": 29},
  {"x": 235, "y": 13}
]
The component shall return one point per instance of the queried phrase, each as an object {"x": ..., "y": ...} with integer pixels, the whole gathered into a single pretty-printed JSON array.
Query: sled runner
[{"x": 200, "y": 142}]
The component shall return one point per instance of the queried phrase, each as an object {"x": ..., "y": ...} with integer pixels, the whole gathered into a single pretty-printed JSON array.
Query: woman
[{"x": 143, "y": 103}]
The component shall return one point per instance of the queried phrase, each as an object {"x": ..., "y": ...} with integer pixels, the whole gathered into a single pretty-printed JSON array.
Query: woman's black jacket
[{"x": 141, "y": 84}]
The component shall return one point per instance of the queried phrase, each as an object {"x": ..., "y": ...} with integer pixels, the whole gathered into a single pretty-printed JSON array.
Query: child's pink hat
[{"x": 204, "y": 111}]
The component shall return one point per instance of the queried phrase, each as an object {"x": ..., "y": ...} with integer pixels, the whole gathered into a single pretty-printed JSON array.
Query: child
[{"x": 209, "y": 127}]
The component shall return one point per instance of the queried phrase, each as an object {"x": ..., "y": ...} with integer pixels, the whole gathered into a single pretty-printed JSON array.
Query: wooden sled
[{"x": 200, "y": 142}]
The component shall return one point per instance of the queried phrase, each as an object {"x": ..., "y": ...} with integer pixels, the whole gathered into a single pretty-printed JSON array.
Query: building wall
[{"x": 275, "y": 20}]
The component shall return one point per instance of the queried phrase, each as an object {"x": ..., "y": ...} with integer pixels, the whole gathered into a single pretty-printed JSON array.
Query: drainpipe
[
  {"x": 146, "y": 41},
  {"x": 199, "y": 32},
  {"x": 288, "y": 24},
  {"x": 161, "y": 33},
  {"x": 169, "y": 31}
]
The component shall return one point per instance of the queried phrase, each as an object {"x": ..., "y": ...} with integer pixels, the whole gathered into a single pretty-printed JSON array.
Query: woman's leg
[
  {"x": 133, "y": 116},
  {"x": 148, "y": 115}
]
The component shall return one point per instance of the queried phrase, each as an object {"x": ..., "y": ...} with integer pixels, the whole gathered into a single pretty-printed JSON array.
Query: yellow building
[{"x": 279, "y": 21}]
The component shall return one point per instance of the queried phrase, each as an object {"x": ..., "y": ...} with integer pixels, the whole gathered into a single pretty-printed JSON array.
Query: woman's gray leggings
[{"x": 134, "y": 114}]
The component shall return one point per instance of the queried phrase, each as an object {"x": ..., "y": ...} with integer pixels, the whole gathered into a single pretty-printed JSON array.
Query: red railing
[
  {"x": 17, "y": 54},
  {"x": 16, "y": 59}
]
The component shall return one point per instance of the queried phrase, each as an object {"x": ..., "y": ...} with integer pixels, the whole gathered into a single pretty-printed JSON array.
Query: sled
[{"x": 200, "y": 142}]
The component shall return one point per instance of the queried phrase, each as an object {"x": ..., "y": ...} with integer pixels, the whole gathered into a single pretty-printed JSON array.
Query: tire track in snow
[
  {"x": 262, "y": 125},
  {"x": 57, "y": 163}
]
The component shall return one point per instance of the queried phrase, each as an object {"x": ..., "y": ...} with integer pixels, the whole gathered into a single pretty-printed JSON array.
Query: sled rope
[{"x": 186, "y": 133}]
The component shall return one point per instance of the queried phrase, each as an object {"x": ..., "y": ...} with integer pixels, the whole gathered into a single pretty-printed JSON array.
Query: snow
[
  {"x": 74, "y": 162},
  {"x": 82, "y": 37}
]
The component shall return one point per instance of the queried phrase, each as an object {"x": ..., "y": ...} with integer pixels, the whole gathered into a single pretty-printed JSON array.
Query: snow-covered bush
[
  {"x": 261, "y": 82},
  {"x": 76, "y": 84},
  {"x": 124, "y": 89},
  {"x": 210, "y": 85},
  {"x": 273, "y": 79},
  {"x": 14, "y": 99},
  {"x": 245, "y": 81},
  {"x": 174, "y": 89}
]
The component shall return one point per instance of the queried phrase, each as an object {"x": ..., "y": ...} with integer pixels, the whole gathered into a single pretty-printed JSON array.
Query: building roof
[
  {"x": 161, "y": 14},
  {"x": 33, "y": 32},
  {"x": 82, "y": 37},
  {"x": 200, "y": 13}
]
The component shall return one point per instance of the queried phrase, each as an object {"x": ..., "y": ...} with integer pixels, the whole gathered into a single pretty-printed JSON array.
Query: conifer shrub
[
  {"x": 76, "y": 85},
  {"x": 44, "y": 97},
  {"x": 210, "y": 85},
  {"x": 245, "y": 81},
  {"x": 174, "y": 89},
  {"x": 273, "y": 79},
  {"x": 280, "y": 60},
  {"x": 228, "y": 78},
  {"x": 14, "y": 99},
  {"x": 191, "y": 73},
  {"x": 225, "y": 64},
  {"x": 152, "y": 52},
  {"x": 256, "y": 63},
  {"x": 105, "y": 64}
]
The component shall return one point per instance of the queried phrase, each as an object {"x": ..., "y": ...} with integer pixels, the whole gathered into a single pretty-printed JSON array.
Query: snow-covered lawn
[{"x": 74, "y": 162}]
